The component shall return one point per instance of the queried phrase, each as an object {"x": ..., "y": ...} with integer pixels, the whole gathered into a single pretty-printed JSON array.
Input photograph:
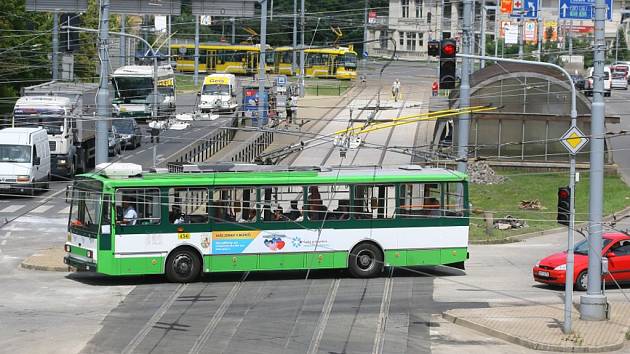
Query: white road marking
[
  {"x": 135, "y": 341},
  {"x": 7, "y": 234},
  {"x": 200, "y": 343},
  {"x": 65, "y": 210},
  {"x": 4, "y": 242},
  {"x": 313, "y": 347},
  {"x": 379, "y": 341},
  {"x": 12, "y": 208},
  {"x": 42, "y": 209}
]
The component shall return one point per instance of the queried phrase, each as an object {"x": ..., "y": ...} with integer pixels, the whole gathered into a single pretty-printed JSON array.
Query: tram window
[
  {"x": 234, "y": 205},
  {"x": 283, "y": 203},
  {"x": 374, "y": 202},
  {"x": 138, "y": 206},
  {"x": 220, "y": 56},
  {"x": 188, "y": 206},
  {"x": 420, "y": 200},
  {"x": 454, "y": 199}
]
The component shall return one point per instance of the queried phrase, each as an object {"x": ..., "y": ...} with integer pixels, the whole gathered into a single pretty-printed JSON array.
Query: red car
[{"x": 616, "y": 247}]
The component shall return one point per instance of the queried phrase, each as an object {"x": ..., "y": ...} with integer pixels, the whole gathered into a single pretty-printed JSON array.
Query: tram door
[
  {"x": 252, "y": 61},
  {"x": 331, "y": 64},
  {"x": 211, "y": 63}
]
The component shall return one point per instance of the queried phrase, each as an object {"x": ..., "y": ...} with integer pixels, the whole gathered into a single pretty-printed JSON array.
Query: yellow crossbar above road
[{"x": 414, "y": 118}]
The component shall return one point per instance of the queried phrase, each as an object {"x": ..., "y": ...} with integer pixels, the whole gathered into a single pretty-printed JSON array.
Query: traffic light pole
[
  {"x": 568, "y": 294},
  {"x": 464, "y": 91}
]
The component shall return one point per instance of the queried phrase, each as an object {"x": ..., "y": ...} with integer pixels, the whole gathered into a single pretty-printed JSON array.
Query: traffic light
[
  {"x": 564, "y": 205},
  {"x": 448, "y": 50},
  {"x": 433, "y": 48}
]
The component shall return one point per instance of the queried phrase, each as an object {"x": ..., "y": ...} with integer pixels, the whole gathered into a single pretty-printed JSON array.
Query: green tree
[{"x": 621, "y": 52}]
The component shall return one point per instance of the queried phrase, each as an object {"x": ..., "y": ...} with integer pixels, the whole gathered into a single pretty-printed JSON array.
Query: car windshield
[
  {"x": 582, "y": 246},
  {"x": 123, "y": 126},
  {"x": 52, "y": 124},
  {"x": 215, "y": 89},
  {"x": 133, "y": 89},
  {"x": 15, "y": 153}
]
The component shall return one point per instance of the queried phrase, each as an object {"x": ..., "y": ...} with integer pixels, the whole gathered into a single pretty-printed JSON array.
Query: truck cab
[
  {"x": 134, "y": 91},
  {"x": 218, "y": 93},
  {"x": 24, "y": 160}
]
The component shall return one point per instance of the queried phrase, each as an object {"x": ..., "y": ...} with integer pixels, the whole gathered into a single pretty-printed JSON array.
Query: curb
[
  {"x": 31, "y": 266},
  {"x": 528, "y": 343},
  {"x": 517, "y": 238}
]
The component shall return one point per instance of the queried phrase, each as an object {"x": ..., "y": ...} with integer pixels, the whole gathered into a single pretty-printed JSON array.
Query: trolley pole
[
  {"x": 593, "y": 305},
  {"x": 103, "y": 103},
  {"x": 261, "y": 62},
  {"x": 123, "y": 41},
  {"x": 568, "y": 294},
  {"x": 464, "y": 92}
]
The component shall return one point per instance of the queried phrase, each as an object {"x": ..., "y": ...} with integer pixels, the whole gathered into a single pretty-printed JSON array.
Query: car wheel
[
  {"x": 183, "y": 266},
  {"x": 582, "y": 281},
  {"x": 365, "y": 261}
]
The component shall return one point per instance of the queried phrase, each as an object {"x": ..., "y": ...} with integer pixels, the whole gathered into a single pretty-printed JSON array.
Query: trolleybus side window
[
  {"x": 374, "y": 201},
  {"x": 420, "y": 200},
  {"x": 234, "y": 205},
  {"x": 454, "y": 199},
  {"x": 138, "y": 206},
  {"x": 283, "y": 203},
  {"x": 188, "y": 205},
  {"x": 329, "y": 202}
]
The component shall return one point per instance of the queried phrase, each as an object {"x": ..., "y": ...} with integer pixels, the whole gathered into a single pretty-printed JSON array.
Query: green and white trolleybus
[{"x": 247, "y": 218}]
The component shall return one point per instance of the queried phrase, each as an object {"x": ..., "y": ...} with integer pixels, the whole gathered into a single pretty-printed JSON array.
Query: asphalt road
[{"x": 618, "y": 104}]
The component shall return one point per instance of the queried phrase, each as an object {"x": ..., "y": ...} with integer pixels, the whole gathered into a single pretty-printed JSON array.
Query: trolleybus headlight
[
  {"x": 66, "y": 248},
  {"x": 89, "y": 254}
]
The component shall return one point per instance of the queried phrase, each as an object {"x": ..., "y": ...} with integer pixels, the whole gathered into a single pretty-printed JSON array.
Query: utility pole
[
  {"x": 464, "y": 92},
  {"x": 55, "y": 46},
  {"x": 196, "y": 72},
  {"x": 103, "y": 103},
  {"x": 593, "y": 305},
  {"x": 294, "y": 62},
  {"x": 261, "y": 62},
  {"x": 571, "y": 39},
  {"x": 302, "y": 49},
  {"x": 365, "y": 30},
  {"x": 521, "y": 34},
  {"x": 496, "y": 30},
  {"x": 541, "y": 28},
  {"x": 482, "y": 39},
  {"x": 233, "y": 30},
  {"x": 123, "y": 41}
]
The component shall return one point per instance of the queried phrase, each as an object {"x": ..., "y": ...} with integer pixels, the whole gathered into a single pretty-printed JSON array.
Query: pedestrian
[
  {"x": 363, "y": 79},
  {"x": 155, "y": 131},
  {"x": 396, "y": 89},
  {"x": 289, "y": 109},
  {"x": 435, "y": 87}
]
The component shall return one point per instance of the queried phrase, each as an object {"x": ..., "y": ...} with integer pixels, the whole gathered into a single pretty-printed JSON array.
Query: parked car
[
  {"x": 129, "y": 131},
  {"x": 114, "y": 142},
  {"x": 616, "y": 248},
  {"x": 619, "y": 80},
  {"x": 578, "y": 81},
  {"x": 588, "y": 84},
  {"x": 24, "y": 160}
]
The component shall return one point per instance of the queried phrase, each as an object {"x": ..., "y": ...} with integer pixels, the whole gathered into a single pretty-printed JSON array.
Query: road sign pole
[
  {"x": 262, "y": 63},
  {"x": 196, "y": 68},
  {"x": 540, "y": 35},
  {"x": 593, "y": 305},
  {"x": 520, "y": 35},
  {"x": 464, "y": 92},
  {"x": 103, "y": 103},
  {"x": 55, "y": 46}
]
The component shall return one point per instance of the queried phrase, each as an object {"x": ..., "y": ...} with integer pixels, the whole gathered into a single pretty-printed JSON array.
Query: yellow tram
[
  {"x": 217, "y": 58},
  {"x": 334, "y": 63}
]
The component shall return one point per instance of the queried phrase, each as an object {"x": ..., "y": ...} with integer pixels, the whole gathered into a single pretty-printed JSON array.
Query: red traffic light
[
  {"x": 449, "y": 49},
  {"x": 563, "y": 193}
]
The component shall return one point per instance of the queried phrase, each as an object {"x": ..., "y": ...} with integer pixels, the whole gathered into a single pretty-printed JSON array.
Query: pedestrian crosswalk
[{"x": 47, "y": 209}]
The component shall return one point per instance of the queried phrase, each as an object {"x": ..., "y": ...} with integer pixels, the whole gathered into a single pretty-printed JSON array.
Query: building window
[
  {"x": 428, "y": 17},
  {"x": 420, "y": 40},
  {"x": 405, "y": 8},
  {"x": 446, "y": 14},
  {"x": 382, "y": 39},
  {"x": 411, "y": 41},
  {"x": 401, "y": 39},
  {"x": 418, "y": 4}
]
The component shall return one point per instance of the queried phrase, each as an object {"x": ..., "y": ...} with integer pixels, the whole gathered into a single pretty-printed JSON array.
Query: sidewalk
[
  {"x": 50, "y": 259},
  {"x": 540, "y": 327}
]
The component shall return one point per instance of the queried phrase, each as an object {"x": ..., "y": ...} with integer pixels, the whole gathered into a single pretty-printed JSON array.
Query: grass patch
[
  {"x": 503, "y": 199},
  {"x": 331, "y": 87},
  {"x": 184, "y": 83}
]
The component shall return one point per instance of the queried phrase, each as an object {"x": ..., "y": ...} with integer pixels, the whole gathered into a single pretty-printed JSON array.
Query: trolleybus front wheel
[{"x": 183, "y": 266}]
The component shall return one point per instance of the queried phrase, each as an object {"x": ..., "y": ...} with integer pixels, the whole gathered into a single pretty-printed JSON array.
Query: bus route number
[{"x": 183, "y": 236}]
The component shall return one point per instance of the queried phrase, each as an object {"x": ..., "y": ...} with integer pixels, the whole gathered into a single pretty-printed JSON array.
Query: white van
[
  {"x": 218, "y": 93},
  {"x": 24, "y": 160},
  {"x": 588, "y": 84}
]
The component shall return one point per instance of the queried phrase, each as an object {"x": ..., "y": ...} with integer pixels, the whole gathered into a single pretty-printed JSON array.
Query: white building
[{"x": 412, "y": 23}]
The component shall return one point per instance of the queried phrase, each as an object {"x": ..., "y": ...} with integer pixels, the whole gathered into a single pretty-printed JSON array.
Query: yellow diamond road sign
[{"x": 574, "y": 140}]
